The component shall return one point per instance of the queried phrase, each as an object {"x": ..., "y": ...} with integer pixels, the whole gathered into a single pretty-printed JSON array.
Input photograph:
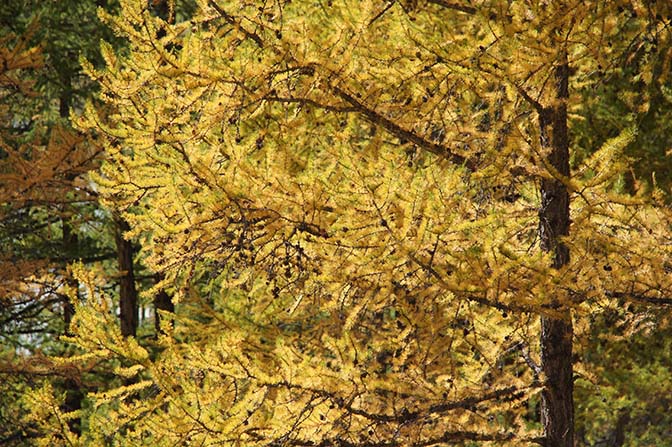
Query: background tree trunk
[
  {"x": 73, "y": 393},
  {"x": 128, "y": 296},
  {"x": 70, "y": 242},
  {"x": 162, "y": 301},
  {"x": 70, "y": 239}
]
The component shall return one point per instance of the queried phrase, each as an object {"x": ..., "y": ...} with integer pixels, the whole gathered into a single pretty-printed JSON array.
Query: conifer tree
[
  {"x": 368, "y": 217},
  {"x": 45, "y": 197},
  {"x": 48, "y": 212},
  {"x": 40, "y": 177}
]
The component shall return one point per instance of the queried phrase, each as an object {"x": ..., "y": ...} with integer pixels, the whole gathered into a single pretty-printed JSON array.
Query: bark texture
[{"x": 557, "y": 407}]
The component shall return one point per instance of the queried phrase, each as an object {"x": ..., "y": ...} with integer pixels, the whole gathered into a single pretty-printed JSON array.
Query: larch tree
[
  {"x": 368, "y": 218},
  {"x": 49, "y": 216},
  {"x": 72, "y": 208},
  {"x": 46, "y": 201},
  {"x": 16, "y": 56},
  {"x": 41, "y": 164}
]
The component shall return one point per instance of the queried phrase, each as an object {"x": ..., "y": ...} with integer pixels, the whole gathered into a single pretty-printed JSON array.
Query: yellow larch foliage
[{"x": 344, "y": 200}]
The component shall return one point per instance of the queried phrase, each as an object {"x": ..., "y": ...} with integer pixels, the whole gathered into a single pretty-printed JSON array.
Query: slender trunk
[
  {"x": 128, "y": 296},
  {"x": 73, "y": 393},
  {"x": 70, "y": 241},
  {"x": 162, "y": 301},
  {"x": 557, "y": 406}
]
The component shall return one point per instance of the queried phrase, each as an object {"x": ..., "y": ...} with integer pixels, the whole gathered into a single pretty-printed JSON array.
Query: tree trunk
[
  {"x": 162, "y": 301},
  {"x": 128, "y": 296},
  {"x": 73, "y": 393},
  {"x": 70, "y": 241},
  {"x": 557, "y": 406}
]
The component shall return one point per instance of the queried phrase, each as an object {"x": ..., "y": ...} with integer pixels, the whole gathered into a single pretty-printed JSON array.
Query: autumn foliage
[{"x": 377, "y": 222}]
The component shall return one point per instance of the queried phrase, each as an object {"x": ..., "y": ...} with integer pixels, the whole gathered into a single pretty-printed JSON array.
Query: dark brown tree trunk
[
  {"x": 73, "y": 393},
  {"x": 557, "y": 406},
  {"x": 70, "y": 241},
  {"x": 162, "y": 301},
  {"x": 617, "y": 436},
  {"x": 128, "y": 296}
]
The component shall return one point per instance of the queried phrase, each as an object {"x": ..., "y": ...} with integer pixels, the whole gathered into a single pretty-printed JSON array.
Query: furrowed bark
[{"x": 557, "y": 407}]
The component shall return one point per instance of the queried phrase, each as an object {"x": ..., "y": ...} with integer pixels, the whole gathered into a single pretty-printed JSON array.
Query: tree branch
[
  {"x": 640, "y": 298},
  {"x": 398, "y": 131},
  {"x": 448, "y": 437},
  {"x": 454, "y": 6},
  {"x": 405, "y": 416},
  {"x": 231, "y": 20}
]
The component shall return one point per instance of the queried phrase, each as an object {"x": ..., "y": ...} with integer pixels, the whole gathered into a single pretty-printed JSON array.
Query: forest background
[{"x": 317, "y": 223}]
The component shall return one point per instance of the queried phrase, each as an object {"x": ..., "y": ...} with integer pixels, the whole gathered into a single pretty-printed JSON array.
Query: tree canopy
[{"x": 408, "y": 223}]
